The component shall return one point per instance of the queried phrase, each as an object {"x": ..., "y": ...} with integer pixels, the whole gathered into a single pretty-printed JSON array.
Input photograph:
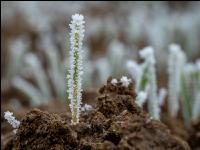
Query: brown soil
[
  {"x": 194, "y": 139},
  {"x": 116, "y": 123},
  {"x": 175, "y": 125}
]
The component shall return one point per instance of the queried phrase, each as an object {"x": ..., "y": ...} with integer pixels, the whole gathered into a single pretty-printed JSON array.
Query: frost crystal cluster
[
  {"x": 114, "y": 81},
  {"x": 125, "y": 81},
  {"x": 175, "y": 66},
  {"x": 11, "y": 119},
  {"x": 153, "y": 106},
  {"x": 76, "y": 69},
  {"x": 86, "y": 107}
]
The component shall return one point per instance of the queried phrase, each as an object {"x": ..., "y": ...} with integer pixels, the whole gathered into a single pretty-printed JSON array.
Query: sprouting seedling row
[{"x": 181, "y": 77}]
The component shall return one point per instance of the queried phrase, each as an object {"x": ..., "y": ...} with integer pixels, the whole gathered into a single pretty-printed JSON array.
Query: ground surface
[{"x": 116, "y": 122}]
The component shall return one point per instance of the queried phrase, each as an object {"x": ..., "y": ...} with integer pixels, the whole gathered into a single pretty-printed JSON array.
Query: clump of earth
[{"x": 116, "y": 122}]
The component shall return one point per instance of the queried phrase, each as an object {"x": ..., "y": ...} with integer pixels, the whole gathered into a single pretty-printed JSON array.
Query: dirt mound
[{"x": 116, "y": 123}]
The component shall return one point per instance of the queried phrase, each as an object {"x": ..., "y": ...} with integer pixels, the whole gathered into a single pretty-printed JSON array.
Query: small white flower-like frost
[
  {"x": 11, "y": 120},
  {"x": 114, "y": 81},
  {"x": 125, "y": 81},
  {"x": 86, "y": 107}
]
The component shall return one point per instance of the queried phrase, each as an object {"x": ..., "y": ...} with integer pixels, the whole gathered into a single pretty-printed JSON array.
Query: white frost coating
[
  {"x": 196, "y": 93},
  {"x": 141, "y": 98},
  {"x": 11, "y": 120},
  {"x": 125, "y": 81},
  {"x": 76, "y": 69},
  {"x": 161, "y": 96},
  {"x": 86, "y": 107},
  {"x": 196, "y": 106},
  {"x": 136, "y": 71},
  {"x": 198, "y": 64},
  {"x": 176, "y": 62},
  {"x": 114, "y": 81},
  {"x": 153, "y": 106},
  {"x": 147, "y": 53}
]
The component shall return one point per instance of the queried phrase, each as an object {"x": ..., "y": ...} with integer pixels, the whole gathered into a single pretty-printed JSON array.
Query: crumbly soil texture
[{"x": 115, "y": 123}]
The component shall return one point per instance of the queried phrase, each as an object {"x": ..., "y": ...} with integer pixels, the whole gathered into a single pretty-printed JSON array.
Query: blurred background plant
[{"x": 34, "y": 38}]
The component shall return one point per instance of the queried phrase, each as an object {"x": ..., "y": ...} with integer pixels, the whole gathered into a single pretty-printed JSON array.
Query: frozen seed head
[
  {"x": 114, "y": 81},
  {"x": 125, "y": 81},
  {"x": 11, "y": 119}
]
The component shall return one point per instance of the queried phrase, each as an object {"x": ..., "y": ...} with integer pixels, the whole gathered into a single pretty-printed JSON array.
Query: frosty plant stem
[
  {"x": 187, "y": 112},
  {"x": 174, "y": 69},
  {"x": 75, "y": 71},
  {"x": 153, "y": 106}
]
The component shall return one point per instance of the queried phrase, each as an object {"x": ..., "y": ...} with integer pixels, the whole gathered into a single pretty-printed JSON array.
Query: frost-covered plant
[
  {"x": 161, "y": 96},
  {"x": 178, "y": 83},
  {"x": 153, "y": 105},
  {"x": 114, "y": 81},
  {"x": 76, "y": 69},
  {"x": 141, "y": 98},
  {"x": 17, "y": 50},
  {"x": 144, "y": 75},
  {"x": 193, "y": 79},
  {"x": 136, "y": 70},
  {"x": 175, "y": 65},
  {"x": 11, "y": 120},
  {"x": 29, "y": 90},
  {"x": 34, "y": 67},
  {"x": 196, "y": 87},
  {"x": 116, "y": 57}
]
